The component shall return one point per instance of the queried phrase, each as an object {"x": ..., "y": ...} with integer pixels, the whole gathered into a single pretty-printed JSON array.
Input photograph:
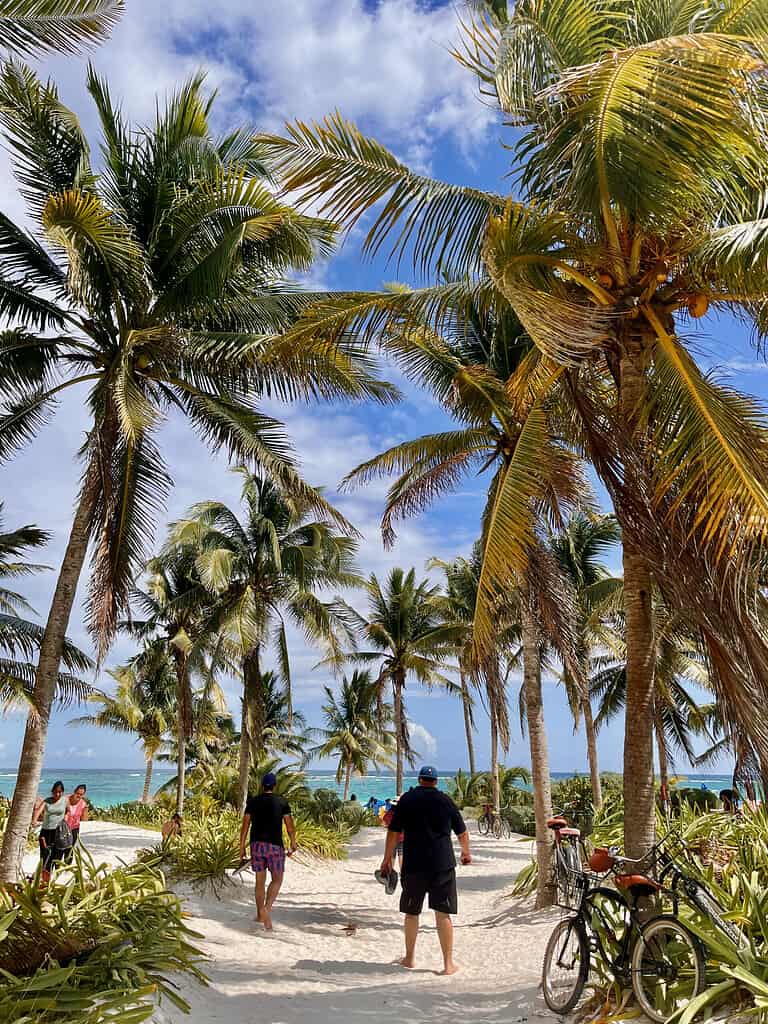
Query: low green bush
[
  {"x": 135, "y": 814},
  {"x": 98, "y": 949}
]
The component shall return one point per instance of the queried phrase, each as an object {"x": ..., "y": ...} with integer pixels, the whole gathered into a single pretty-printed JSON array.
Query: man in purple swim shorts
[{"x": 264, "y": 815}]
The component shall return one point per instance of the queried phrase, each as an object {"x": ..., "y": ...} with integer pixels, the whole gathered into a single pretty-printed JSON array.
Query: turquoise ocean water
[{"x": 113, "y": 786}]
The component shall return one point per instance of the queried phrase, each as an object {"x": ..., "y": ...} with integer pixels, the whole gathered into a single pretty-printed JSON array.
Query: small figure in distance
[
  {"x": 427, "y": 817},
  {"x": 264, "y": 815},
  {"x": 77, "y": 813},
  {"x": 50, "y": 813},
  {"x": 730, "y": 801},
  {"x": 172, "y": 828},
  {"x": 353, "y": 798}
]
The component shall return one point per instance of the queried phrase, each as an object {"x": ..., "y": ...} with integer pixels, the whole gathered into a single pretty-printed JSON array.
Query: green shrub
[
  {"x": 135, "y": 814},
  {"x": 99, "y": 949}
]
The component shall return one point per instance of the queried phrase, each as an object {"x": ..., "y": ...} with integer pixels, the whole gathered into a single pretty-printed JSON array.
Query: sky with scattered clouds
[{"x": 387, "y": 66}]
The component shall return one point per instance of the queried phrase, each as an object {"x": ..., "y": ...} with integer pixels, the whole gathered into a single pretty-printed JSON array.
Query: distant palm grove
[{"x": 155, "y": 276}]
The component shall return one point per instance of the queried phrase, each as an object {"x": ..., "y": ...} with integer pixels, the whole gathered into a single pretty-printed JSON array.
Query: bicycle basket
[{"x": 570, "y": 888}]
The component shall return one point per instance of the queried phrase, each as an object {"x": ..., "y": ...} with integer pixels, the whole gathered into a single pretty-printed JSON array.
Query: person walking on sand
[
  {"x": 77, "y": 813},
  {"x": 264, "y": 815},
  {"x": 427, "y": 817}
]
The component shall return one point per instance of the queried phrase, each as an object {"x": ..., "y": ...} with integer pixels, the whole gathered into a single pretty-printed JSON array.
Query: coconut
[
  {"x": 605, "y": 280},
  {"x": 143, "y": 361},
  {"x": 698, "y": 305}
]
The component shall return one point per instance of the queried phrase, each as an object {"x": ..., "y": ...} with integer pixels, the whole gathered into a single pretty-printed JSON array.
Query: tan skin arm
[{"x": 290, "y": 828}]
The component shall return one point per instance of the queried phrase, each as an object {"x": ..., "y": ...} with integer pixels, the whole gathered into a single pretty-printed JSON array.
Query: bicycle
[
  {"x": 670, "y": 851},
  {"x": 660, "y": 957},
  {"x": 485, "y": 822}
]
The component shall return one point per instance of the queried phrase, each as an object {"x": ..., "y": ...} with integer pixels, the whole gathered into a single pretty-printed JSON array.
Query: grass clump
[{"x": 98, "y": 947}]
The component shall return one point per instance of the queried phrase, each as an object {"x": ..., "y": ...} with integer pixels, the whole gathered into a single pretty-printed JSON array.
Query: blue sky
[{"x": 386, "y": 66}]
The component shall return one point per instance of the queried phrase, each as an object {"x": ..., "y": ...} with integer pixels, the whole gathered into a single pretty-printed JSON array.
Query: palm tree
[
  {"x": 578, "y": 549},
  {"x": 407, "y": 635},
  {"x": 355, "y": 728},
  {"x": 28, "y": 27},
  {"x": 160, "y": 290},
  {"x": 174, "y": 607},
  {"x": 144, "y": 704},
  {"x": 631, "y": 213},
  {"x": 285, "y": 729},
  {"x": 678, "y": 718},
  {"x": 20, "y": 637},
  {"x": 259, "y": 569},
  {"x": 457, "y": 604}
]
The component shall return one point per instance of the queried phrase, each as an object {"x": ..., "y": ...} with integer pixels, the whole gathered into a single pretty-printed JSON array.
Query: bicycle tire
[
  {"x": 567, "y": 930},
  {"x": 666, "y": 947},
  {"x": 498, "y": 828},
  {"x": 482, "y": 825}
]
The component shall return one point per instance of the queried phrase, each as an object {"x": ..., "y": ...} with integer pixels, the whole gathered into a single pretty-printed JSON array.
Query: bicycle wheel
[
  {"x": 668, "y": 968},
  {"x": 498, "y": 827},
  {"x": 707, "y": 905},
  {"x": 482, "y": 825},
  {"x": 566, "y": 965}
]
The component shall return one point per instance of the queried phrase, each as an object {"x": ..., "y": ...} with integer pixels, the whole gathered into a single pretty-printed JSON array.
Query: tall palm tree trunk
[
  {"x": 466, "y": 704},
  {"x": 594, "y": 766},
  {"x": 252, "y": 728},
  {"x": 639, "y": 814},
  {"x": 398, "y": 683},
  {"x": 537, "y": 737},
  {"x": 36, "y": 732},
  {"x": 146, "y": 796},
  {"x": 183, "y": 724},
  {"x": 347, "y": 778},
  {"x": 495, "y": 791}
]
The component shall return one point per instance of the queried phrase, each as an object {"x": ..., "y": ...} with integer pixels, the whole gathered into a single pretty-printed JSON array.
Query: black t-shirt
[
  {"x": 427, "y": 817},
  {"x": 266, "y": 813}
]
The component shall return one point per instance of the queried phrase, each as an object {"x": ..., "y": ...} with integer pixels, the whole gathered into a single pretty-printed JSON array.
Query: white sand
[{"x": 310, "y": 970}]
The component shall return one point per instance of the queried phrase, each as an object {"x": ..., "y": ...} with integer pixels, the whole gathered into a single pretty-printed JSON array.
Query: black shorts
[{"x": 440, "y": 886}]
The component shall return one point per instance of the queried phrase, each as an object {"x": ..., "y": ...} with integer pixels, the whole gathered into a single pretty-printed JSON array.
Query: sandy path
[{"x": 310, "y": 970}]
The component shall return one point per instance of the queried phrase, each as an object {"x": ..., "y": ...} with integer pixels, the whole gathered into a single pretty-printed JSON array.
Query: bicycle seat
[
  {"x": 640, "y": 883},
  {"x": 557, "y": 823}
]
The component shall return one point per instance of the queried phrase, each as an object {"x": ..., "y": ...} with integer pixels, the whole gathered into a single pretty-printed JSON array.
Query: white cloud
[
  {"x": 387, "y": 65},
  {"x": 422, "y": 741}
]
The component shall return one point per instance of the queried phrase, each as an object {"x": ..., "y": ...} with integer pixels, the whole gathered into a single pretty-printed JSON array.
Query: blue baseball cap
[
  {"x": 269, "y": 781},
  {"x": 428, "y": 772}
]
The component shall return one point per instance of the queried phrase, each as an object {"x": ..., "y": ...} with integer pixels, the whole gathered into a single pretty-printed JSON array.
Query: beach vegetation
[
  {"x": 32, "y": 27},
  {"x": 106, "y": 947}
]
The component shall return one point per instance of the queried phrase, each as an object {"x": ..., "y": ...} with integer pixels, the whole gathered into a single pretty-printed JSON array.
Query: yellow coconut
[
  {"x": 698, "y": 305},
  {"x": 605, "y": 280},
  {"x": 143, "y": 361},
  {"x": 662, "y": 271}
]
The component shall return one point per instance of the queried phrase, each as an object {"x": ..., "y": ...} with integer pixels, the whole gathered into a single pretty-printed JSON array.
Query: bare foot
[
  {"x": 449, "y": 969},
  {"x": 267, "y": 921},
  {"x": 407, "y": 961}
]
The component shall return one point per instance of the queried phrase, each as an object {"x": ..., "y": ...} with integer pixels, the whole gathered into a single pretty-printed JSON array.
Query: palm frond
[{"x": 30, "y": 26}]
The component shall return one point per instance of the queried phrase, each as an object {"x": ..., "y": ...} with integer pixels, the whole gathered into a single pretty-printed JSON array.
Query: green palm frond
[
  {"x": 712, "y": 442},
  {"x": 30, "y": 26},
  {"x": 349, "y": 173}
]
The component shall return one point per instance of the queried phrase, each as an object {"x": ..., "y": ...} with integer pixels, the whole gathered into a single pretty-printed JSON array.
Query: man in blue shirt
[{"x": 427, "y": 817}]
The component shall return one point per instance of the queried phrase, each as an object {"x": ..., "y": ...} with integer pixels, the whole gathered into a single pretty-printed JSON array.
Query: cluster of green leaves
[
  {"x": 324, "y": 807},
  {"x": 471, "y": 791},
  {"x": 98, "y": 949},
  {"x": 135, "y": 814}
]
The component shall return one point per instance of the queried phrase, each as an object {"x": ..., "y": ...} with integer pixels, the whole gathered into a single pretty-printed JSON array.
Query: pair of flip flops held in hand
[{"x": 388, "y": 881}]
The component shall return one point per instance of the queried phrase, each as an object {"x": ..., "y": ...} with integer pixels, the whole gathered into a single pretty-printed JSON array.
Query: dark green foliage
[{"x": 100, "y": 950}]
